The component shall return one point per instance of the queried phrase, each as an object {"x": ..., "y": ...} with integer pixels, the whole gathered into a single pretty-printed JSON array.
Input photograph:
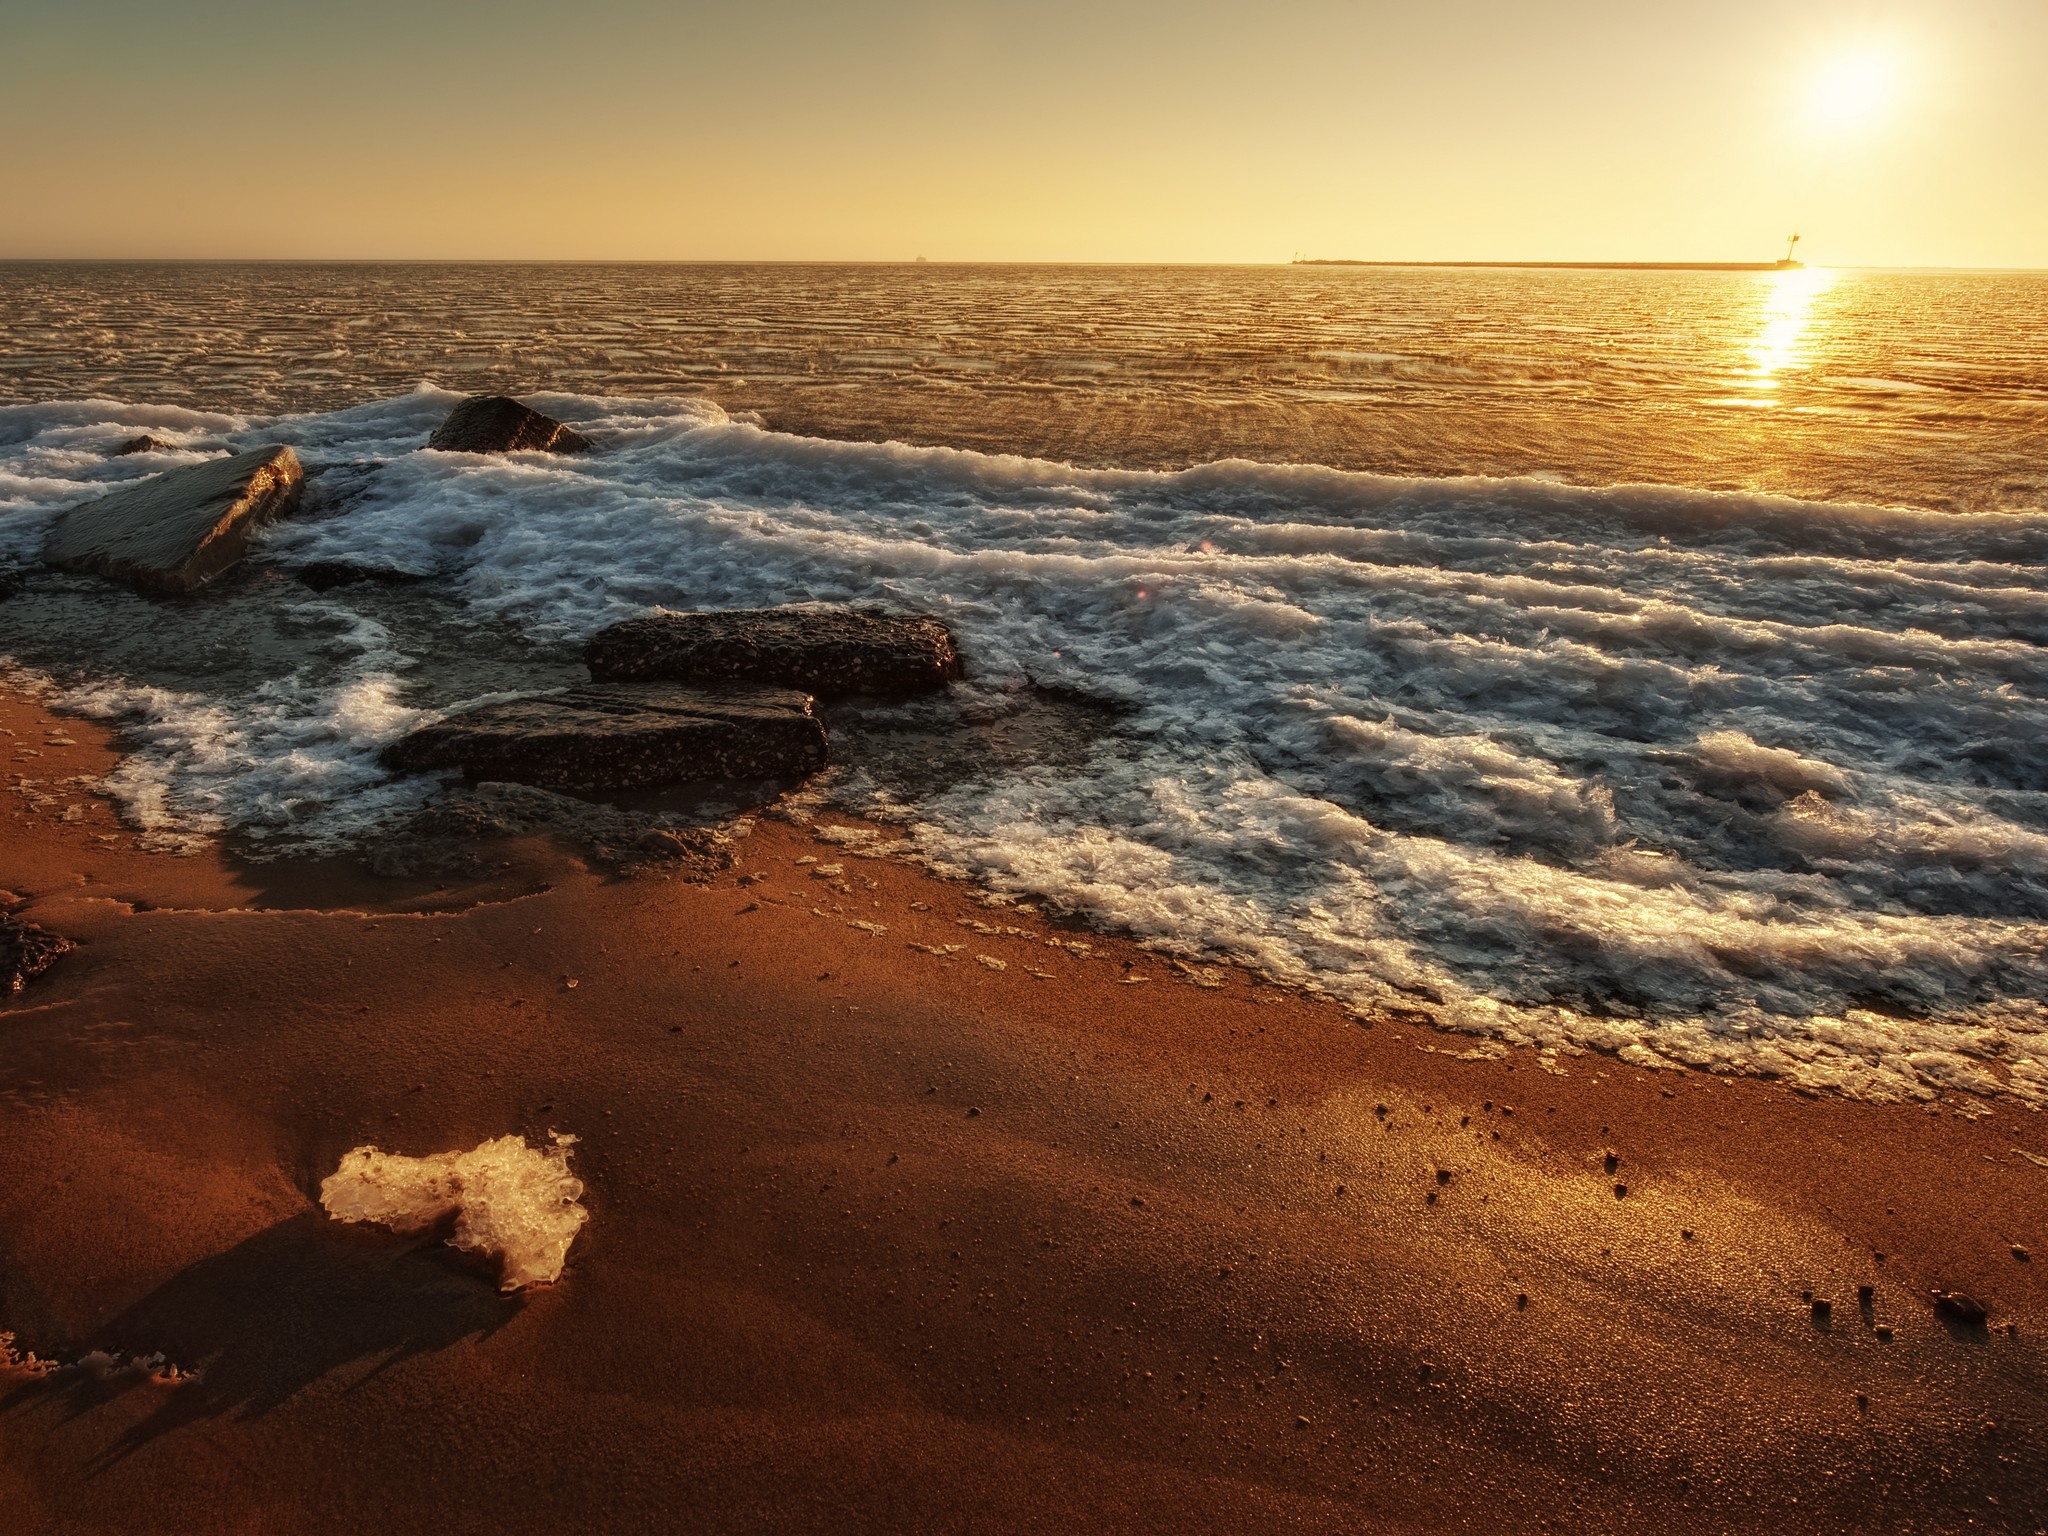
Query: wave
[{"x": 1723, "y": 780}]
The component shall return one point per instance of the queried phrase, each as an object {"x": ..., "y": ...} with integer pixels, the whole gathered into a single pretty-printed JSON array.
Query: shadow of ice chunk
[{"x": 509, "y": 1199}]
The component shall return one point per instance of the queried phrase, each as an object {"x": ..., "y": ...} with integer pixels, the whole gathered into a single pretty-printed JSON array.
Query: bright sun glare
[{"x": 1854, "y": 90}]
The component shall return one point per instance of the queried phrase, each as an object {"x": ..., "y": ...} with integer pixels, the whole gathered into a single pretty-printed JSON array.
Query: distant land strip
[{"x": 1571, "y": 266}]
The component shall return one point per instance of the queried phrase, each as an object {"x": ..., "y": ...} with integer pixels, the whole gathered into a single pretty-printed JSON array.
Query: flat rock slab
[
  {"x": 26, "y": 951},
  {"x": 624, "y": 737},
  {"x": 176, "y": 531},
  {"x": 831, "y": 651},
  {"x": 500, "y": 424}
]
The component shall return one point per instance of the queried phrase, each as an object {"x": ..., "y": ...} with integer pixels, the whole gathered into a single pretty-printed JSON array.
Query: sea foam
[
  {"x": 1720, "y": 780},
  {"x": 511, "y": 1201}
]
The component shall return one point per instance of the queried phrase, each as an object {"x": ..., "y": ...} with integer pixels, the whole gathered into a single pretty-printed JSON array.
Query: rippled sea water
[
  {"x": 1921, "y": 389},
  {"x": 1649, "y": 663}
]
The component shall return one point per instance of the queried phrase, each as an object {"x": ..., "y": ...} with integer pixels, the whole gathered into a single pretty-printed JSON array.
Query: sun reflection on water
[{"x": 1786, "y": 313}]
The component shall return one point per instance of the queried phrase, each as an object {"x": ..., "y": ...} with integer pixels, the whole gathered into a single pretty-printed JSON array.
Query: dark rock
[
  {"x": 820, "y": 650},
  {"x": 323, "y": 575},
  {"x": 1823, "y": 1312},
  {"x": 26, "y": 951},
  {"x": 499, "y": 424},
  {"x": 624, "y": 737},
  {"x": 460, "y": 833},
  {"x": 1960, "y": 1308},
  {"x": 142, "y": 444},
  {"x": 177, "y": 531}
]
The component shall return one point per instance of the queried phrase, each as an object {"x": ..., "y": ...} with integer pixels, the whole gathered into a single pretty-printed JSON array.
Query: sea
[{"x": 1620, "y": 664}]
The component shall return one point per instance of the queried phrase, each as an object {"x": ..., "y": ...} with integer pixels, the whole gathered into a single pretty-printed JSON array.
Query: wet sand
[{"x": 889, "y": 1240}]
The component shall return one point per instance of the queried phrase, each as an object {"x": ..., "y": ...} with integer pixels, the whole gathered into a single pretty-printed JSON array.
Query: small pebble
[
  {"x": 1960, "y": 1307},
  {"x": 2021, "y": 1254},
  {"x": 1620, "y": 1191}
]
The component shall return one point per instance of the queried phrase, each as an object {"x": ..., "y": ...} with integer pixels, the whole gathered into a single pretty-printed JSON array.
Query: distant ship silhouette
[{"x": 1784, "y": 263}]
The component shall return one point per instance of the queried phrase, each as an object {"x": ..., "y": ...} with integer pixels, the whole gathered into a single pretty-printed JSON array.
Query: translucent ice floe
[{"x": 513, "y": 1200}]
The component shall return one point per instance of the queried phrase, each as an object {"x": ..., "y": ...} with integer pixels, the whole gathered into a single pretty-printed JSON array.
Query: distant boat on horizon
[{"x": 1785, "y": 263}]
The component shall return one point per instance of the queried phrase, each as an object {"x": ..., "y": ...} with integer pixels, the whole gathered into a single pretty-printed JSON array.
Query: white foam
[
  {"x": 510, "y": 1200},
  {"x": 1725, "y": 780}
]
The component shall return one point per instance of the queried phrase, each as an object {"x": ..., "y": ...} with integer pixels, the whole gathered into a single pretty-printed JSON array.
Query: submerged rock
[
  {"x": 26, "y": 951},
  {"x": 324, "y": 575},
  {"x": 177, "y": 531},
  {"x": 500, "y": 424},
  {"x": 142, "y": 444},
  {"x": 623, "y": 737},
  {"x": 821, "y": 650}
]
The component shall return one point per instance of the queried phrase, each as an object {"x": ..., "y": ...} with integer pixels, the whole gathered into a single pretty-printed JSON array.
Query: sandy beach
[{"x": 888, "y": 1234}]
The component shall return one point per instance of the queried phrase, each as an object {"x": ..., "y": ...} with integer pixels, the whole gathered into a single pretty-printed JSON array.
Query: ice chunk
[{"x": 513, "y": 1200}]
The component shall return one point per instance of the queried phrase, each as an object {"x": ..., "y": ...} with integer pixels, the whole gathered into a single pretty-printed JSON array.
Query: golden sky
[{"x": 1909, "y": 133}]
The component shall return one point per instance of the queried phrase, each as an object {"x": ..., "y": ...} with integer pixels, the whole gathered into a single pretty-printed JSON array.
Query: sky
[{"x": 1908, "y": 133}]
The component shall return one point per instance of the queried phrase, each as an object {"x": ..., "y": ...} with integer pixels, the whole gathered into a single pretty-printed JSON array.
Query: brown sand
[{"x": 885, "y": 1241}]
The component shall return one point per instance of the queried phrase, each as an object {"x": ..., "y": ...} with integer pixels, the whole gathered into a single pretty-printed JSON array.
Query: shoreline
[{"x": 895, "y": 1239}]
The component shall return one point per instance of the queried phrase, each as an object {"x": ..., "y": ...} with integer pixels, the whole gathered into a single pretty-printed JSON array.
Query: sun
[{"x": 1853, "y": 91}]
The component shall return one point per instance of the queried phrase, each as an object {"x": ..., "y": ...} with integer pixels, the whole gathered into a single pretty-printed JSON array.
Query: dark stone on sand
[
  {"x": 826, "y": 651},
  {"x": 624, "y": 737},
  {"x": 2019, "y": 1252},
  {"x": 26, "y": 951},
  {"x": 1823, "y": 1312},
  {"x": 177, "y": 531},
  {"x": 1958, "y": 1307},
  {"x": 142, "y": 444},
  {"x": 459, "y": 834},
  {"x": 500, "y": 424},
  {"x": 324, "y": 575}
]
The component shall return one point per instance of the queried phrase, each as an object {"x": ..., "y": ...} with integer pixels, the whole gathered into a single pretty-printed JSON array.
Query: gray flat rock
[
  {"x": 500, "y": 424},
  {"x": 177, "y": 531},
  {"x": 830, "y": 651},
  {"x": 624, "y": 737}
]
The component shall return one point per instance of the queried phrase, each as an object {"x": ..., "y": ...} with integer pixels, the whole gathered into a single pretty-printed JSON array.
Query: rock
[
  {"x": 142, "y": 444},
  {"x": 458, "y": 834},
  {"x": 820, "y": 650},
  {"x": 323, "y": 575},
  {"x": 500, "y": 424},
  {"x": 177, "y": 531},
  {"x": 623, "y": 737},
  {"x": 26, "y": 951},
  {"x": 1960, "y": 1308}
]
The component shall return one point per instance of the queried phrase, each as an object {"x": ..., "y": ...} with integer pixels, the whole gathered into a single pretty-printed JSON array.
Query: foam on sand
[{"x": 509, "y": 1199}]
